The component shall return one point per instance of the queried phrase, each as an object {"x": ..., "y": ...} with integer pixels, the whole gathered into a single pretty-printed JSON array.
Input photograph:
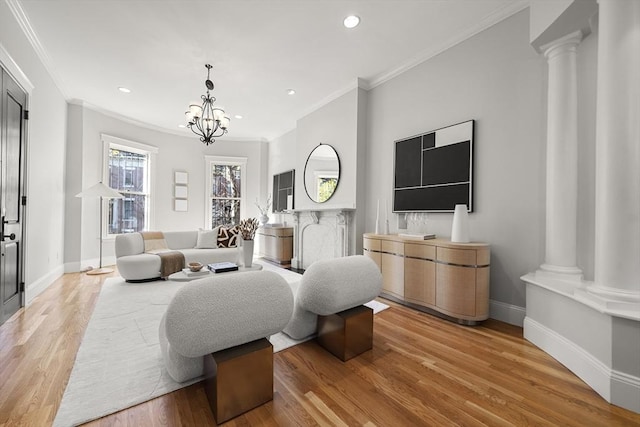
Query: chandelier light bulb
[
  {"x": 218, "y": 114},
  {"x": 224, "y": 123}
]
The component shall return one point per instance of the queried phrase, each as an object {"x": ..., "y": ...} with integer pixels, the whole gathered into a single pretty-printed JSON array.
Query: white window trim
[
  {"x": 134, "y": 147},
  {"x": 224, "y": 160}
]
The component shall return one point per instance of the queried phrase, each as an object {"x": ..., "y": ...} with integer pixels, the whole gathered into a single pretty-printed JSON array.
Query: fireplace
[{"x": 321, "y": 234}]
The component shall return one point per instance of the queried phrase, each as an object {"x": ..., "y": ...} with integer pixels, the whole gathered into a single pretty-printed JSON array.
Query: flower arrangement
[
  {"x": 248, "y": 228},
  {"x": 264, "y": 211}
]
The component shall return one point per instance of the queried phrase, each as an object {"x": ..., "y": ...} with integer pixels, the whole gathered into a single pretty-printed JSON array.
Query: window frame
[
  {"x": 209, "y": 161},
  {"x": 150, "y": 151}
]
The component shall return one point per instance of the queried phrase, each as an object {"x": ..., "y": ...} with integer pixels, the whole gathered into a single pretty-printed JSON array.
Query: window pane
[
  {"x": 224, "y": 211},
  {"x": 128, "y": 175},
  {"x": 127, "y": 215},
  {"x": 127, "y": 170},
  {"x": 225, "y": 181}
]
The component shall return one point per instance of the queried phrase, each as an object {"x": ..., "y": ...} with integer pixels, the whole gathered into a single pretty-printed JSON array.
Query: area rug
[{"x": 118, "y": 364}]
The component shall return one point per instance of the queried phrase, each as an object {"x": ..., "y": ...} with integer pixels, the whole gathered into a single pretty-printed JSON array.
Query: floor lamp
[{"x": 100, "y": 191}]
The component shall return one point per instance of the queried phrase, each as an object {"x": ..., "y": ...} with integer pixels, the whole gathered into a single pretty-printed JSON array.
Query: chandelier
[{"x": 207, "y": 121}]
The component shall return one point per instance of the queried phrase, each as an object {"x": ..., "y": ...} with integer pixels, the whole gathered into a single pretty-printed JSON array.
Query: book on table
[
  {"x": 222, "y": 267},
  {"x": 417, "y": 236},
  {"x": 187, "y": 272}
]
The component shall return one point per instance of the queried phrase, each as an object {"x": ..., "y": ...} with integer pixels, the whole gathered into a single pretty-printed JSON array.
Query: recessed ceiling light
[
  {"x": 124, "y": 90},
  {"x": 182, "y": 126},
  {"x": 291, "y": 92},
  {"x": 238, "y": 116},
  {"x": 351, "y": 21}
]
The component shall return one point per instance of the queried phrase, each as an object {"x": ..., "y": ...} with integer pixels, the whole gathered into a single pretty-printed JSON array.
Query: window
[
  {"x": 225, "y": 189},
  {"x": 128, "y": 171}
]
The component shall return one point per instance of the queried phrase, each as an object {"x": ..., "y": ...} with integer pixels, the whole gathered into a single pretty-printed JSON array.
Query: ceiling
[{"x": 258, "y": 48}]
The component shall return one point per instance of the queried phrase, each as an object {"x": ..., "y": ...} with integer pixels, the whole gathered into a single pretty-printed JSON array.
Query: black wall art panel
[
  {"x": 282, "y": 188},
  {"x": 434, "y": 171}
]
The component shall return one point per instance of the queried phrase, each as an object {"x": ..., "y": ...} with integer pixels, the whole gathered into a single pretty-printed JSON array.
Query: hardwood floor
[{"x": 421, "y": 371}]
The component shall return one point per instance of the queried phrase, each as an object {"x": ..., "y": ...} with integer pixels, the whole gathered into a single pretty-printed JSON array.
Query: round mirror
[{"x": 322, "y": 173}]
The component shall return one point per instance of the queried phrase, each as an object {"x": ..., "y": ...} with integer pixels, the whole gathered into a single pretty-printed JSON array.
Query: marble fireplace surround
[{"x": 321, "y": 233}]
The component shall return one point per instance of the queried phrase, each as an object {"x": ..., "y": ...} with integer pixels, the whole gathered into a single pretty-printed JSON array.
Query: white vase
[
  {"x": 247, "y": 252},
  {"x": 263, "y": 219},
  {"x": 460, "y": 227}
]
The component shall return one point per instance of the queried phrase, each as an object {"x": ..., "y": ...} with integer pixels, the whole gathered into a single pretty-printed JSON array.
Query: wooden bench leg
[
  {"x": 348, "y": 333},
  {"x": 239, "y": 379}
]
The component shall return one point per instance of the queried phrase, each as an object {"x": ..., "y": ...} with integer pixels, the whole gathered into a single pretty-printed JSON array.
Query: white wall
[
  {"x": 334, "y": 124},
  {"x": 497, "y": 79},
  {"x": 175, "y": 153},
  {"x": 44, "y": 240}
]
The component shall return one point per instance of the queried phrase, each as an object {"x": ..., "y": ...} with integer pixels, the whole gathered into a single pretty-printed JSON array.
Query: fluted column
[
  {"x": 617, "y": 219},
  {"x": 562, "y": 157}
]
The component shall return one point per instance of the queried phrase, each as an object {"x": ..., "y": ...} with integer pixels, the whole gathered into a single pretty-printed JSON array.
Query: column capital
[{"x": 561, "y": 45}]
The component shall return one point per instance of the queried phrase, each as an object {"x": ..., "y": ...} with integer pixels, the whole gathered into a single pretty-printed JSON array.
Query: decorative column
[
  {"x": 617, "y": 219},
  {"x": 562, "y": 158}
]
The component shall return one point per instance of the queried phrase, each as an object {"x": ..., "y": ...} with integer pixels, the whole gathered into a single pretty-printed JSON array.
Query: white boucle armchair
[
  {"x": 335, "y": 286},
  {"x": 219, "y": 312}
]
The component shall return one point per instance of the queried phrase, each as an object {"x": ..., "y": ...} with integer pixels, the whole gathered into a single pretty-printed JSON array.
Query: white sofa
[{"x": 134, "y": 264}]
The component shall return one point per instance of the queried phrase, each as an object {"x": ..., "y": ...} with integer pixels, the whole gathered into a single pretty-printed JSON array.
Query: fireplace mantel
[{"x": 319, "y": 233}]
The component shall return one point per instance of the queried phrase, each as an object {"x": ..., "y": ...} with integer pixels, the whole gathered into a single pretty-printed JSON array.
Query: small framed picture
[
  {"x": 180, "y": 205},
  {"x": 181, "y": 191},
  {"x": 181, "y": 178}
]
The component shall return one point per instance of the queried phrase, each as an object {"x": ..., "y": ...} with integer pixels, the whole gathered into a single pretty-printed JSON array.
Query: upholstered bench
[
  {"x": 222, "y": 322},
  {"x": 329, "y": 302}
]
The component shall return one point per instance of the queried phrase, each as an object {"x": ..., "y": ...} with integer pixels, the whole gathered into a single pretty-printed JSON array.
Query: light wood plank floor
[{"x": 422, "y": 371}]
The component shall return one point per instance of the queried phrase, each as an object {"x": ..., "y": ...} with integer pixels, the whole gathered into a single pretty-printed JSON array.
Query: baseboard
[
  {"x": 72, "y": 267},
  {"x": 507, "y": 313},
  {"x": 37, "y": 287},
  {"x": 77, "y": 266},
  {"x": 590, "y": 370},
  {"x": 625, "y": 391}
]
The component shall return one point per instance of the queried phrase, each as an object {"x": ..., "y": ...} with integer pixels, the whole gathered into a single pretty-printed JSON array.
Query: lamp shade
[{"x": 100, "y": 190}]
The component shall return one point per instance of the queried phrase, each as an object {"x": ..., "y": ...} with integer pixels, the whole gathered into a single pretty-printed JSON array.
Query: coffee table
[{"x": 181, "y": 277}]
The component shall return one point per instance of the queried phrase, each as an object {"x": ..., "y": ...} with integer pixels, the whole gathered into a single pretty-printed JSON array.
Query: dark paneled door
[{"x": 12, "y": 144}]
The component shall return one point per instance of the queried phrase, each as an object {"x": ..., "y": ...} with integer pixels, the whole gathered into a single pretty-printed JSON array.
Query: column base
[
  {"x": 559, "y": 272},
  {"x": 555, "y": 322}
]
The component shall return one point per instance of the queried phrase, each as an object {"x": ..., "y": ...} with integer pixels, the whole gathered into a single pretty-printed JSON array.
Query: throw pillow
[
  {"x": 154, "y": 241},
  {"x": 228, "y": 237},
  {"x": 207, "y": 239}
]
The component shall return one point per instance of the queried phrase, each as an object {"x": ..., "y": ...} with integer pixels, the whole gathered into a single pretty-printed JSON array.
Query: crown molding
[
  {"x": 14, "y": 70},
  {"x": 499, "y": 15},
  {"x": 23, "y": 21},
  {"x": 356, "y": 83}
]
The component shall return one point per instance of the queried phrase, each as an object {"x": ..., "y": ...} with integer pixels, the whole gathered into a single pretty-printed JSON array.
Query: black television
[{"x": 433, "y": 171}]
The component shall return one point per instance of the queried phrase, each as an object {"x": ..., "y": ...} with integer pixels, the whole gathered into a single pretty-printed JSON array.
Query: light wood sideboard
[
  {"x": 437, "y": 276},
  {"x": 276, "y": 244}
]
